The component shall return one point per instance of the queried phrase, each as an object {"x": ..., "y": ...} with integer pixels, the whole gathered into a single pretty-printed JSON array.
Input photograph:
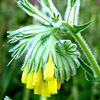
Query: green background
[{"x": 77, "y": 88}]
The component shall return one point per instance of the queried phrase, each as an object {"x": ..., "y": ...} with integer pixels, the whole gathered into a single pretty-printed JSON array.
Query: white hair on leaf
[
  {"x": 72, "y": 19},
  {"x": 32, "y": 11}
]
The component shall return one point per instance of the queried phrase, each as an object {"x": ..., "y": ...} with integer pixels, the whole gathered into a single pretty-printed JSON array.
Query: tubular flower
[
  {"x": 43, "y": 86},
  {"x": 49, "y": 70}
]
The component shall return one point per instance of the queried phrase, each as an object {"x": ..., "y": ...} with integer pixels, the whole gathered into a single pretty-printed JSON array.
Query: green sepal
[
  {"x": 88, "y": 71},
  {"x": 44, "y": 38},
  {"x": 55, "y": 18},
  {"x": 42, "y": 69},
  {"x": 56, "y": 72},
  {"x": 19, "y": 49},
  {"x": 46, "y": 3},
  {"x": 50, "y": 25},
  {"x": 24, "y": 65},
  {"x": 27, "y": 8},
  {"x": 77, "y": 29},
  {"x": 40, "y": 59},
  {"x": 33, "y": 59},
  {"x": 29, "y": 68}
]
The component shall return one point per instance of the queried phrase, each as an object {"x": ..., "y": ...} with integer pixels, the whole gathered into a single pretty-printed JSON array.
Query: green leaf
[
  {"x": 86, "y": 67},
  {"x": 72, "y": 3},
  {"x": 46, "y": 2},
  {"x": 89, "y": 78},
  {"x": 77, "y": 29},
  {"x": 26, "y": 8},
  {"x": 88, "y": 71}
]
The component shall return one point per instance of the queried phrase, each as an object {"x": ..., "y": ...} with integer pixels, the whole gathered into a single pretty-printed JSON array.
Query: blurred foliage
[{"x": 77, "y": 88}]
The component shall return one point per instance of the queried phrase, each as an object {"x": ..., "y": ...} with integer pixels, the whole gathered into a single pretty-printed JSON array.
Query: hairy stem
[
  {"x": 88, "y": 53},
  {"x": 85, "y": 49}
]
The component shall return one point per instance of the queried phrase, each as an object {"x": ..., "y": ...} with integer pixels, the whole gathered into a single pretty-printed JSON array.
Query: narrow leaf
[
  {"x": 86, "y": 67},
  {"x": 89, "y": 78},
  {"x": 77, "y": 29},
  {"x": 88, "y": 72}
]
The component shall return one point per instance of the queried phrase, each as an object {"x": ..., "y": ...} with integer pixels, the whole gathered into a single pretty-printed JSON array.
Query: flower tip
[
  {"x": 58, "y": 85},
  {"x": 67, "y": 79}
]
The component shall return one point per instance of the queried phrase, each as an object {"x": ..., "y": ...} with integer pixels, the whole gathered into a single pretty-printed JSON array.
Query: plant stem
[
  {"x": 43, "y": 98},
  {"x": 85, "y": 49},
  {"x": 26, "y": 95},
  {"x": 88, "y": 53}
]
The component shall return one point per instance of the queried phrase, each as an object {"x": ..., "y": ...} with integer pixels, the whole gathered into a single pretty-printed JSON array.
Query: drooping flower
[
  {"x": 44, "y": 86},
  {"x": 49, "y": 70}
]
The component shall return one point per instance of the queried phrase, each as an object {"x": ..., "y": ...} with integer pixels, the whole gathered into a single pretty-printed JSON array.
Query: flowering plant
[{"x": 50, "y": 60}]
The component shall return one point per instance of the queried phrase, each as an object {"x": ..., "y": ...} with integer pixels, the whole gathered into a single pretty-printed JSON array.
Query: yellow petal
[
  {"x": 29, "y": 81},
  {"x": 24, "y": 76},
  {"x": 58, "y": 85},
  {"x": 38, "y": 89},
  {"x": 52, "y": 86},
  {"x": 37, "y": 78},
  {"x": 49, "y": 70},
  {"x": 45, "y": 89}
]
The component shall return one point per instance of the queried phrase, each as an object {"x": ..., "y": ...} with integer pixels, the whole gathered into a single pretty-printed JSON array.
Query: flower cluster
[{"x": 44, "y": 86}]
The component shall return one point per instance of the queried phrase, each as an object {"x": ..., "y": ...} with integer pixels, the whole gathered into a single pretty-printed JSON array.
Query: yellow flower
[
  {"x": 52, "y": 86},
  {"x": 44, "y": 86},
  {"x": 45, "y": 92},
  {"x": 29, "y": 81},
  {"x": 24, "y": 76},
  {"x": 38, "y": 89},
  {"x": 49, "y": 70},
  {"x": 37, "y": 78}
]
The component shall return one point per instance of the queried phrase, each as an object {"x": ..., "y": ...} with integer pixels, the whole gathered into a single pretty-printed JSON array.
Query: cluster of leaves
[{"x": 67, "y": 58}]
